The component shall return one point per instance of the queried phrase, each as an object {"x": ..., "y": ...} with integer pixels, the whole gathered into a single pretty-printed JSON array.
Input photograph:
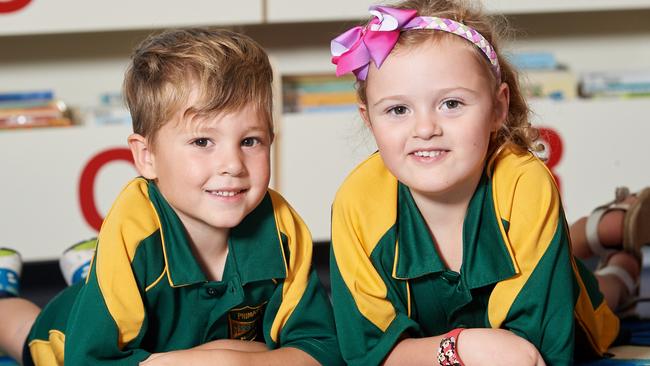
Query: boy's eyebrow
[{"x": 206, "y": 129}]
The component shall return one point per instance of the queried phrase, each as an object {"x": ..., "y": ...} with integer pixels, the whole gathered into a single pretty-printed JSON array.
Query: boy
[{"x": 197, "y": 251}]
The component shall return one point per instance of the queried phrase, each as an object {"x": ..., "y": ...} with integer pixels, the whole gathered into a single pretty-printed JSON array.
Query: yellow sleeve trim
[
  {"x": 601, "y": 325},
  {"x": 299, "y": 263},
  {"x": 131, "y": 219},
  {"x": 50, "y": 352},
  {"x": 518, "y": 181},
  {"x": 364, "y": 209}
]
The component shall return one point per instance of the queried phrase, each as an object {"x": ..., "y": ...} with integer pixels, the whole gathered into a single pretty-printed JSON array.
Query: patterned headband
[{"x": 353, "y": 50}]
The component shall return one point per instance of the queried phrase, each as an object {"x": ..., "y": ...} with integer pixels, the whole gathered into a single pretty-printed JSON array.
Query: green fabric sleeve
[
  {"x": 92, "y": 334},
  {"x": 310, "y": 327},
  {"x": 361, "y": 342},
  {"x": 543, "y": 311}
]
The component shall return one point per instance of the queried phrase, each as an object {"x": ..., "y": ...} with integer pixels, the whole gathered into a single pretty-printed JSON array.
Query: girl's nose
[{"x": 426, "y": 126}]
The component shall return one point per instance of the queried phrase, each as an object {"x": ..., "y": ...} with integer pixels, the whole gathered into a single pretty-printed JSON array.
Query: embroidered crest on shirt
[{"x": 245, "y": 323}]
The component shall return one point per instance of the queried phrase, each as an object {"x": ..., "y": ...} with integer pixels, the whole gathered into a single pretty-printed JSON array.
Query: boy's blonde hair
[
  {"x": 227, "y": 69},
  {"x": 516, "y": 130}
]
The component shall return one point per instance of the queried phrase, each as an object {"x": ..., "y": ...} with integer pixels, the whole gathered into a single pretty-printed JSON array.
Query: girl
[{"x": 450, "y": 243}]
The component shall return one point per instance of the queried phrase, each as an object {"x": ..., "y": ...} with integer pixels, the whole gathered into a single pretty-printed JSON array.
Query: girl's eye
[
  {"x": 250, "y": 141},
  {"x": 201, "y": 142},
  {"x": 398, "y": 110},
  {"x": 451, "y": 104}
]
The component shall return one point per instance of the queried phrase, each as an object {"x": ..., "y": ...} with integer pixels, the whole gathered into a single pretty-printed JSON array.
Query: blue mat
[
  {"x": 636, "y": 349},
  {"x": 6, "y": 361}
]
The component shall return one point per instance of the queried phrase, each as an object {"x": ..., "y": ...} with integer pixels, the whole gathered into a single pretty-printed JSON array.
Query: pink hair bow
[{"x": 353, "y": 50}]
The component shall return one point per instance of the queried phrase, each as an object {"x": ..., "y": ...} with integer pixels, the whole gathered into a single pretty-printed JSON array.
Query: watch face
[{"x": 8, "y": 6}]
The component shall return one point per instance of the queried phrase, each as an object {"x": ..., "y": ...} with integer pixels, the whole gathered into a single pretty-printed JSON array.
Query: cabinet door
[
  {"x": 553, "y": 6},
  {"x": 82, "y": 15},
  {"x": 279, "y": 11},
  {"x": 57, "y": 184}
]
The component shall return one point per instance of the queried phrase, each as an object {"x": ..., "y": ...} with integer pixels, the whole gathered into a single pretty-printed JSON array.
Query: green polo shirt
[
  {"x": 146, "y": 292},
  {"x": 517, "y": 272}
]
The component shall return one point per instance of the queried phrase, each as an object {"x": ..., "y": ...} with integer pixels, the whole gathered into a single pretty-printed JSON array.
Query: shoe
[
  {"x": 75, "y": 261},
  {"x": 11, "y": 265}
]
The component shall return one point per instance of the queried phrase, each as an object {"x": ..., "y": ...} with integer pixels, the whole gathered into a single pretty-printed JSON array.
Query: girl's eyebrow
[
  {"x": 438, "y": 92},
  {"x": 390, "y": 97}
]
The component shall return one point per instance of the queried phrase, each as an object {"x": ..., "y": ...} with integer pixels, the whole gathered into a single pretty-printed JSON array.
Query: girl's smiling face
[{"x": 431, "y": 109}]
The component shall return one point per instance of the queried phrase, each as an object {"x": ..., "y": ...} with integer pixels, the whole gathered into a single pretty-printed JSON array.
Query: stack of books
[
  {"x": 32, "y": 109},
  {"x": 318, "y": 93},
  {"x": 110, "y": 111},
  {"x": 540, "y": 76},
  {"x": 618, "y": 84}
]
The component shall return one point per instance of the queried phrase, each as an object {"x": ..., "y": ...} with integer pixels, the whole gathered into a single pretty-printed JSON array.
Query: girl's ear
[
  {"x": 501, "y": 105},
  {"x": 142, "y": 156},
  {"x": 363, "y": 111}
]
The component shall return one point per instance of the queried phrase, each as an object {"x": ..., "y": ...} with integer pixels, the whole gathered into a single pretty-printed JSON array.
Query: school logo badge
[{"x": 245, "y": 323}]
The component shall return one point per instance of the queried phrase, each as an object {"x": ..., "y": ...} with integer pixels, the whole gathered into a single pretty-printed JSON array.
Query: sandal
[
  {"x": 636, "y": 223},
  {"x": 627, "y": 303}
]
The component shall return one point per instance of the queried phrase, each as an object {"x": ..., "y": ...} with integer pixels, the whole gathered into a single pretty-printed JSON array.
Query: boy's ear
[
  {"x": 142, "y": 156},
  {"x": 363, "y": 111},
  {"x": 501, "y": 105}
]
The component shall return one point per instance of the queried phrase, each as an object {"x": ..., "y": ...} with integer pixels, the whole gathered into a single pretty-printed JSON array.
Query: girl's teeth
[{"x": 428, "y": 154}]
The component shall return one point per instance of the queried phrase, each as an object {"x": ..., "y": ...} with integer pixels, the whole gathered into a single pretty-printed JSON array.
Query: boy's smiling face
[{"x": 213, "y": 170}]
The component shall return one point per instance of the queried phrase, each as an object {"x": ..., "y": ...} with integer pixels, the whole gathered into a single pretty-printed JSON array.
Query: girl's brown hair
[{"x": 516, "y": 130}]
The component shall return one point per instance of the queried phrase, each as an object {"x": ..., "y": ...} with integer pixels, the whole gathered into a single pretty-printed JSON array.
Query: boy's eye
[
  {"x": 201, "y": 142},
  {"x": 250, "y": 141},
  {"x": 398, "y": 110}
]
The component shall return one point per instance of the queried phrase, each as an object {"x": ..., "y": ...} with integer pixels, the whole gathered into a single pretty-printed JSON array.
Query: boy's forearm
[
  {"x": 197, "y": 356},
  {"x": 235, "y": 345}
]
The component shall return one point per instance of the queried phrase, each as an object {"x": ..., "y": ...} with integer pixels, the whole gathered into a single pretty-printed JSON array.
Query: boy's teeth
[
  {"x": 428, "y": 154},
  {"x": 225, "y": 193}
]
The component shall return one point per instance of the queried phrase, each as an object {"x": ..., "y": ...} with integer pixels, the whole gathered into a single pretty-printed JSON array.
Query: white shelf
[
  {"x": 560, "y": 6},
  {"x": 41, "y": 17},
  {"x": 280, "y": 11}
]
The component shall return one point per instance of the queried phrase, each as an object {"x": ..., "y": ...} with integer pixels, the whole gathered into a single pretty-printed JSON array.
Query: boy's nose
[{"x": 230, "y": 163}]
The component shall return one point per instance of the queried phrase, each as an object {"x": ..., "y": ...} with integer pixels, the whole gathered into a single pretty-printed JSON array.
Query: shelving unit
[
  {"x": 559, "y": 6},
  {"x": 40, "y": 17},
  {"x": 82, "y": 56}
]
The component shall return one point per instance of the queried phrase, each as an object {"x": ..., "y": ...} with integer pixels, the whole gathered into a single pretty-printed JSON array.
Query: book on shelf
[
  {"x": 620, "y": 84},
  {"x": 556, "y": 84},
  {"x": 534, "y": 60},
  {"x": 317, "y": 93},
  {"x": 32, "y": 109},
  {"x": 110, "y": 111}
]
